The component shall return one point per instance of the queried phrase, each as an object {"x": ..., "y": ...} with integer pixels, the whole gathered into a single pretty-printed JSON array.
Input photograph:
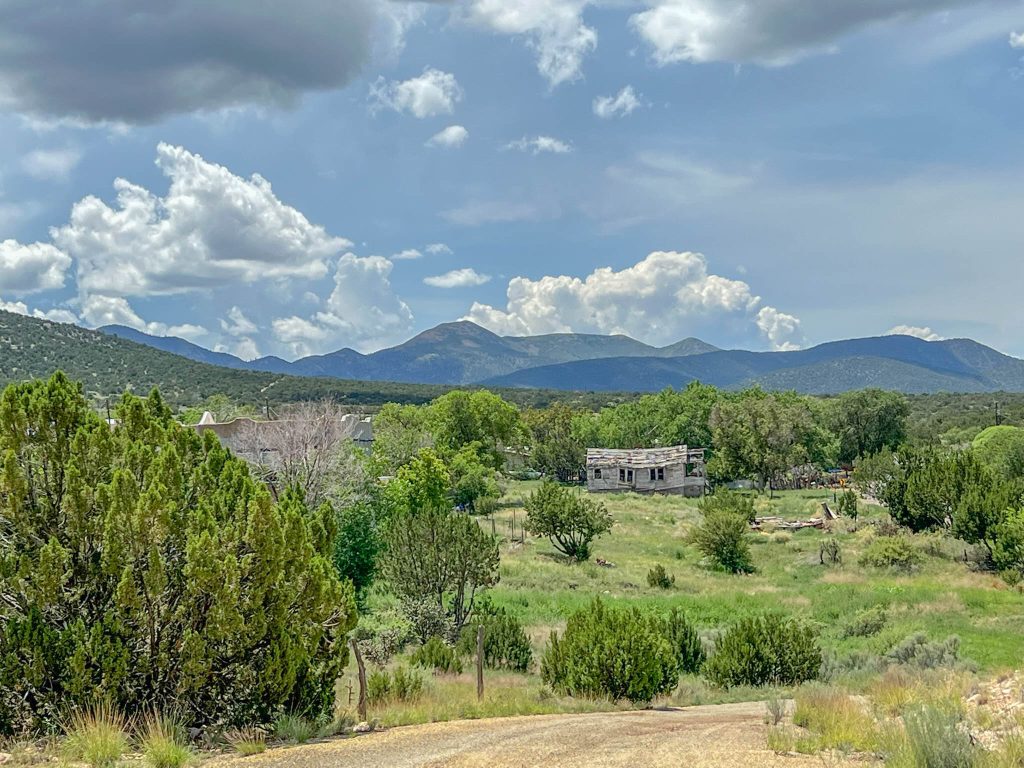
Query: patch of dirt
[{"x": 720, "y": 736}]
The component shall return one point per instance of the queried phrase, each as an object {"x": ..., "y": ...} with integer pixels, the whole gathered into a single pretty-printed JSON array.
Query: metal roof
[{"x": 638, "y": 458}]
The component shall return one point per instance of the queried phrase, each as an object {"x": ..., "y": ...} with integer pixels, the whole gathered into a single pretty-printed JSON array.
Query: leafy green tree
[
  {"x": 438, "y": 555},
  {"x": 868, "y": 420},
  {"x": 729, "y": 502},
  {"x": 357, "y": 545},
  {"x": 723, "y": 536},
  {"x": 570, "y": 520},
  {"x": 669, "y": 417},
  {"x": 557, "y": 448},
  {"x": 1002, "y": 449},
  {"x": 142, "y": 564},
  {"x": 760, "y": 436},
  {"x": 399, "y": 433},
  {"x": 471, "y": 479},
  {"x": 422, "y": 483},
  {"x": 461, "y": 418}
]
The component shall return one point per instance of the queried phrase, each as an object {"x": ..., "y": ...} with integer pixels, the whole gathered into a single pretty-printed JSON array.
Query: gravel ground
[{"x": 722, "y": 736}]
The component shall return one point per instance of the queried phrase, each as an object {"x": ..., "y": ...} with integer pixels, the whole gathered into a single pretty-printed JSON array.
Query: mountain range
[
  {"x": 463, "y": 353},
  {"x": 452, "y": 353}
]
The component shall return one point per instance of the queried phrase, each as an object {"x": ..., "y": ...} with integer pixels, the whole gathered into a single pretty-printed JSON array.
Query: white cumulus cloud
[
  {"x": 437, "y": 248},
  {"x": 539, "y": 144},
  {"x": 211, "y": 229},
  {"x": 660, "y": 299},
  {"x": 779, "y": 328},
  {"x": 409, "y": 254},
  {"x": 619, "y": 105},
  {"x": 553, "y": 28},
  {"x": 237, "y": 324},
  {"x": 1017, "y": 39},
  {"x": 362, "y": 311},
  {"x": 457, "y": 278},
  {"x": 53, "y": 315},
  {"x": 451, "y": 137},
  {"x": 920, "y": 332},
  {"x": 771, "y": 33},
  {"x": 32, "y": 267},
  {"x": 432, "y": 93}
]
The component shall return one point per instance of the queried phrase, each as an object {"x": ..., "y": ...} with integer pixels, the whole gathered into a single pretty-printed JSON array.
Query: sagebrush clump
[{"x": 894, "y": 552}]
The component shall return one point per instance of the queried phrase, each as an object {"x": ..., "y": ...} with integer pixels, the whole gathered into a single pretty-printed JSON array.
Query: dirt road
[{"x": 723, "y": 736}]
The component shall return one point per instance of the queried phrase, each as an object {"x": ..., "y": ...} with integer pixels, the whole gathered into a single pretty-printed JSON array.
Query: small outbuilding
[{"x": 677, "y": 469}]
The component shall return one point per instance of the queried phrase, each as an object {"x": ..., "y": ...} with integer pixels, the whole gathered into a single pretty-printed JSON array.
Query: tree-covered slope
[{"x": 107, "y": 365}]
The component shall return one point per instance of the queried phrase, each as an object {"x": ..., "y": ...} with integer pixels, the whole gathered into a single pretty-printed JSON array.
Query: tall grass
[
  {"x": 97, "y": 736},
  {"x": 835, "y": 719},
  {"x": 246, "y": 741},
  {"x": 163, "y": 743},
  {"x": 294, "y": 729},
  {"x": 931, "y": 738}
]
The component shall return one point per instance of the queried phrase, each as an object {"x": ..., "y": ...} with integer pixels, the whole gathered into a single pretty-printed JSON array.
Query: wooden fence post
[
  {"x": 362, "y": 679},
  {"x": 480, "y": 662}
]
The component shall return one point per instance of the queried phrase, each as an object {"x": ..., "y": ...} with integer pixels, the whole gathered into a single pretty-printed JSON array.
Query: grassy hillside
[
  {"x": 107, "y": 365},
  {"x": 942, "y": 598}
]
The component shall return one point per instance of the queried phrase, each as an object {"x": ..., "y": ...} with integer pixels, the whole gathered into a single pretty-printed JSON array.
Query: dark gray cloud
[
  {"x": 137, "y": 61},
  {"x": 773, "y": 32}
]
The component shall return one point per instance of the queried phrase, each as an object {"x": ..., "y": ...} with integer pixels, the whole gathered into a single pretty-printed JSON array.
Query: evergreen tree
[{"x": 142, "y": 564}]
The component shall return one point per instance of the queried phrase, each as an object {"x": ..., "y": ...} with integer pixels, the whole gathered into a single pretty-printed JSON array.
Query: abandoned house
[
  {"x": 677, "y": 469},
  {"x": 248, "y": 438}
]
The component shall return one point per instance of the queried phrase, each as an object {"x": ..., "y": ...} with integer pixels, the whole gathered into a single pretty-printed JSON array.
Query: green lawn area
[{"x": 944, "y": 597}]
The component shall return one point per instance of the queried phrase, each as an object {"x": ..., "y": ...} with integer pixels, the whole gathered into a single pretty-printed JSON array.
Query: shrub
[
  {"x": 936, "y": 738},
  {"x": 894, "y": 552},
  {"x": 829, "y": 552},
  {"x": 246, "y": 741},
  {"x": 401, "y": 685},
  {"x": 384, "y": 634},
  {"x": 97, "y": 736},
  {"x": 774, "y": 711},
  {"x": 731, "y": 502},
  {"x": 205, "y": 596},
  {"x": 865, "y": 623},
  {"x": 438, "y": 656},
  {"x": 506, "y": 645},
  {"x": 436, "y": 555},
  {"x": 848, "y": 504},
  {"x": 164, "y": 744},
  {"x": 686, "y": 642},
  {"x": 294, "y": 729},
  {"x": 723, "y": 538},
  {"x": 617, "y": 653},
  {"x": 765, "y": 650},
  {"x": 659, "y": 577},
  {"x": 917, "y": 651},
  {"x": 570, "y": 520}
]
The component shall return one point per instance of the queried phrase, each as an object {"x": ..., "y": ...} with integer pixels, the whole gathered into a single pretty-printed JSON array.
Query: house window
[
  {"x": 622, "y": 475},
  {"x": 597, "y": 474},
  {"x": 629, "y": 475},
  {"x": 661, "y": 473},
  {"x": 654, "y": 474}
]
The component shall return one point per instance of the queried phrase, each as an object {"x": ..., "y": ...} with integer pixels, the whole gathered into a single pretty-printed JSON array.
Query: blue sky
[{"x": 296, "y": 178}]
